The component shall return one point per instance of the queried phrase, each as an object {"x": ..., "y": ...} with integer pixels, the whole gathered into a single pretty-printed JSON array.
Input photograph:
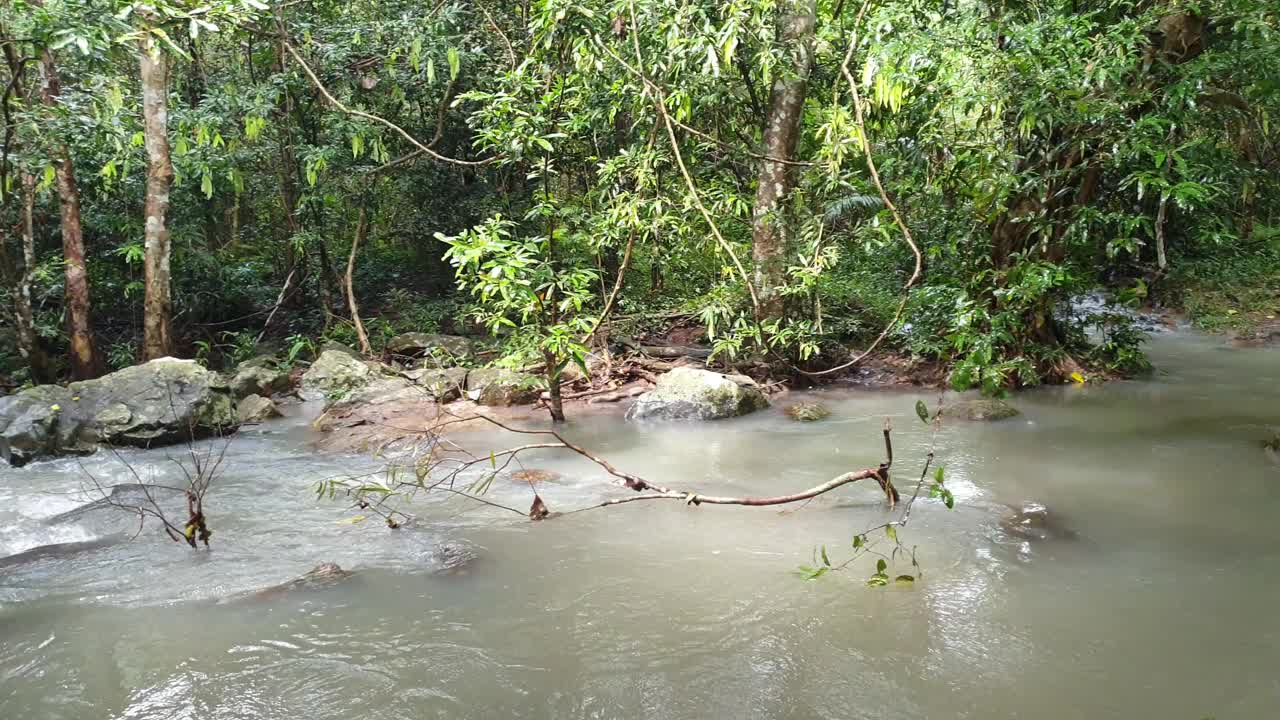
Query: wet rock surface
[
  {"x": 256, "y": 408},
  {"x": 807, "y": 412},
  {"x": 982, "y": 410},
  {"x": 157, "y": 403},
  {"x": 1034, "y": 522},
  {"x": 334, "y": 373},
  {"x": 686, "y": 393},
  {"x": 500, "y": 387}
]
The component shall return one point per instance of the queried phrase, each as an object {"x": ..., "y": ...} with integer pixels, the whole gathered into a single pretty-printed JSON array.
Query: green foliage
[
  {"x": 1035, "y": 151},
  {"x": 522, "y": 285}
]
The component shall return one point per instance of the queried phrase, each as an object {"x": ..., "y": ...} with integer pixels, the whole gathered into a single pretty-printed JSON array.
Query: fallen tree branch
[{"x": 658, "y": 492}]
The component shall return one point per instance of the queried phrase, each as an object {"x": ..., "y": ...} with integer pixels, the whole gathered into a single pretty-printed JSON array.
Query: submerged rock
[
  {"x": 333, "y": 374},
  {"x": 325, "y": 574},
  {"x": 119, "y": 498},
  {"x": 262, "y": 375},
  {"x": 157, "y": 403},
  {"x": 255, "y": 408},
  {"x": 454, "y": 557},
  {"x": 534, "y": 476},
  {"x": 499, "y": 386},
  {"x": 1034, "y": 522},
  {"x": 984, "y": 409},
  {"x": 57, "y": 551},
  {"x": 691, "y": 394},
  {"x": 807, "y": 412}
]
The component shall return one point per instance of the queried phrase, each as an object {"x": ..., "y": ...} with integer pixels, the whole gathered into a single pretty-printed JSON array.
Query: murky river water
[{"x": 1164, "y": 606}]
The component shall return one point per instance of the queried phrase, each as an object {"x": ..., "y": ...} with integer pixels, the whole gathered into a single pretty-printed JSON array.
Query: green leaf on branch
[
  {"x": 922, "y": 411},
  {"x": 455, "y": 63}
]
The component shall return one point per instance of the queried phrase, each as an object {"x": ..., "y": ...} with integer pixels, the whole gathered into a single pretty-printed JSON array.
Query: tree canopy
[{"x": 806, "y": 179}]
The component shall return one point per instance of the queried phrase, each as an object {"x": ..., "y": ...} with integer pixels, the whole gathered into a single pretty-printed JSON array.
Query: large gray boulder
[
  {"x": 379, "y": 391},
  {"x": 441, "y": 347},
  {"x": 499, "y": 386},
  {"x": 444, "y": 385},
  {"x": 334, "y": 373},
  {"x": 156, "y": 403},
  {"x": 262, "y": 375},
  {"x": 255, "y": 409},
  {"x": 691, "y": 394}
]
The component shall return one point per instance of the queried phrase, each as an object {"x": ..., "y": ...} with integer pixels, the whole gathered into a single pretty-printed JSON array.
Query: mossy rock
[
  {"x": 686, "y": 393},
  {"x": 160, "y": 402},
  {"x": 333, "y": 375},
  {"x": 500, "y": 387},
  {"x": 983, "y": 410},
  {"x": 807, "y": 412}
]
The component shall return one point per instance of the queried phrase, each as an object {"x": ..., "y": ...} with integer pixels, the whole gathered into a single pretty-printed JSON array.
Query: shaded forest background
[{"x": 206, "y": 180}]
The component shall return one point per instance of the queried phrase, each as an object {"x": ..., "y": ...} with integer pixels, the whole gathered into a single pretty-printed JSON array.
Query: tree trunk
[
  {"x": 796, "y": 21},
  {"x": 86, "y": 363},
  {"x": 556, "y": 403},
  {"x": 361, "y": 229},
  {"x": 324, "y": 282},
  {"x": 24, "y": 317},
  {"x": 1162, "y": 260},
  {"x": 157, "y": 305},
  {"x": 294, "y": 262}
]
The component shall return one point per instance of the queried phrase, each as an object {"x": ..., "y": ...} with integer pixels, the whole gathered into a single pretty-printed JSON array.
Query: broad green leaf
[
  {"x": 922, "y": 411},
  {"x": 455, "y": 63}
]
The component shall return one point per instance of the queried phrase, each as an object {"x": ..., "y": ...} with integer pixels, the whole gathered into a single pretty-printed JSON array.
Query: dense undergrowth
[{"x": 1030, "y": 153}]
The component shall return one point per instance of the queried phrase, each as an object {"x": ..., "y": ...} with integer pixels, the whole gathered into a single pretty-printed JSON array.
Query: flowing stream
[{"x": 1164, "y": 604}]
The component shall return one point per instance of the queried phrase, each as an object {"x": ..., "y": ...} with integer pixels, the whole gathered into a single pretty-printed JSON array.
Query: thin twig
[{"x": 371, "y": 117}]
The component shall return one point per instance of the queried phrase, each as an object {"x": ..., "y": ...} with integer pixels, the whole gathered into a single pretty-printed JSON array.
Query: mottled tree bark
[
  {"x": 796, "y": 21},
  {"x": 157, "y": 304},
  {"x": 86, "y": 363},
  {"x": 24, "y": 317}
]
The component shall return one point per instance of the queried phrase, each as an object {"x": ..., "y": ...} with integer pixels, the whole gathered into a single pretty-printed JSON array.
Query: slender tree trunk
[
  {"x": 295, "y": 262},
  {"x": 796, "y": 21},
  {"x": 324, "y": 282},
  {"x": 556, "y": 404},
  {"x": 86, "y": 363},
  {"x": 24, "y": 317},
  {"x": 1162, "y": 260},
  {"x": 158, "y": 304},
  {"x": 361, "y": 229}
]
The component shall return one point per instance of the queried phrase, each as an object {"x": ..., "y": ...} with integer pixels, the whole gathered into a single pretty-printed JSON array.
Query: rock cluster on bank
[
  {"x": 169, "y": 400},
  {"x": 156, "y": 403}
]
